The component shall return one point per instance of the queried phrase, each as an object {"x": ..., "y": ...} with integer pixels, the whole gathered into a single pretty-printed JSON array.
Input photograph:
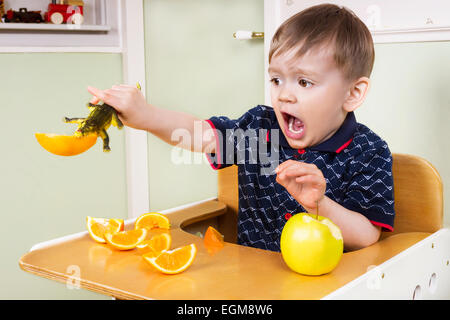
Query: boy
[{"x": 320, "y": 61}]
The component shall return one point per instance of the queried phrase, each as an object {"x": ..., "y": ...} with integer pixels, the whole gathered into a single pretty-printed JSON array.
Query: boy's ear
[{"x": 356, "y": 94}]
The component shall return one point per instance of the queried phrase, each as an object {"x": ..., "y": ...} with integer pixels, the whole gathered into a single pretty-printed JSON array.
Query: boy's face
[{"x": 307, "y": 95}]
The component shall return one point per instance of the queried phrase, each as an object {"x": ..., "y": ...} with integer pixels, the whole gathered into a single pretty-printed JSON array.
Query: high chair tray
[{"x": 234, "y": 272}]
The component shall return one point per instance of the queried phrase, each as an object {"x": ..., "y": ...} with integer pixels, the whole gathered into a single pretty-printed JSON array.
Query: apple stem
[{"x": 317, "y": 210}]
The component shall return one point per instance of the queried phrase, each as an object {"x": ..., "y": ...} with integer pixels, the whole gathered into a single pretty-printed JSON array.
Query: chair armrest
[{"x": 183, "y": 217}]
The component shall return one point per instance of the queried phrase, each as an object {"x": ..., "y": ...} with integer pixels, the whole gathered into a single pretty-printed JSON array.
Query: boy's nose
[{"x": 286, "y": 95}]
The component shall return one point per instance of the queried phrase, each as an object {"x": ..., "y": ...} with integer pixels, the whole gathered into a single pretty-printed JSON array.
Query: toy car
[
  {"x": 64, "y": 13},
  {"x": 23, "y": 15},
  {"x": 2, "y": 10}
]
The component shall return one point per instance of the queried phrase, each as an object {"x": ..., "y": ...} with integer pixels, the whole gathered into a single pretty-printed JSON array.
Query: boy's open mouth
[{"x": 294, "y": 127}]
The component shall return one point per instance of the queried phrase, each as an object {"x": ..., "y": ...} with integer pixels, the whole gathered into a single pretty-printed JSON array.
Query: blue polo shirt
[{"x": 356, "y": 164}]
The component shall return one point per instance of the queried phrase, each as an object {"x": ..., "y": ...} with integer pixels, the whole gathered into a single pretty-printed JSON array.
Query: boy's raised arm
[{"x": 173, "y": 127}]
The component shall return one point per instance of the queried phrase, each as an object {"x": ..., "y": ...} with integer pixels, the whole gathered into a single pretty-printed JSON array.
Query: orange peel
[
  {"x": 97, "y": 227},
  {"x": 173, "y": 261},
  {"x": 152, "y": 220},
  {"x": 64, "y": 145},
  {"x": 126, "y": 240}
]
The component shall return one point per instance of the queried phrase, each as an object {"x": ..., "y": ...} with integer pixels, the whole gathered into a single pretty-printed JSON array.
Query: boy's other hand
[
  {"x": 129, "y": 103},
  {"x": 304, "y": 181}
]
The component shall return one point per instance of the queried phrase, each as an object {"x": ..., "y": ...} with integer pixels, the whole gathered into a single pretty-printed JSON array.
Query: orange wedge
[
  {"x": 126, "y": 240},
  {"x": 213, "y": 238},
  {"x": 152, "y": 220},
  {"x": 62, "y": 145},
  {"x": 173, "y": 261},
  {"x": 97, "y": 227},
  {"x": 158, "y": 242}
]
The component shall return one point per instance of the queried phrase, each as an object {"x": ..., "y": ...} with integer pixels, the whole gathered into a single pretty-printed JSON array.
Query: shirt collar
[{"x": 336, "y": 143}]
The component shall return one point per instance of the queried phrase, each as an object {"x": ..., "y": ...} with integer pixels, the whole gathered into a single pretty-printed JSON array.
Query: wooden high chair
[
  {"x": 410, "y": 263},
  {"x": 418, "y": 195}
]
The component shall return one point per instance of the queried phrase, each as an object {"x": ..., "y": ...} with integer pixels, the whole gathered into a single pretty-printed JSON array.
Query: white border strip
[
  {"x": 132, "y": 21},
  {"x": 411, "y": 30},
  {"x": 411, "y": 34},
  {"x": 60, "y": 49},
  {"x": 52, "y": 242},
  {"x": 54, "y": 27},
  {"x": 272, "y": 18}
]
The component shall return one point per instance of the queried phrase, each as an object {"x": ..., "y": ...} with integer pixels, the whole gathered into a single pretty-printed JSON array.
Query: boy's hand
[
  {"x": 129, "y": 103},
  {"x": 304, "y": 181}
]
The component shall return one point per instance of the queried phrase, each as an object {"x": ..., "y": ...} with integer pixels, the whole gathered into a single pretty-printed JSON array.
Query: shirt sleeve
[
  {"x": 233, "y": 138},
  {"x": 371, "y": 189}
]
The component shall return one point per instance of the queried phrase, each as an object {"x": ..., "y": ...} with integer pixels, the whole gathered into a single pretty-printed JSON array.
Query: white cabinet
[
  {"x": 389, "y": 21},
  {"x": 99, "y": 32}
]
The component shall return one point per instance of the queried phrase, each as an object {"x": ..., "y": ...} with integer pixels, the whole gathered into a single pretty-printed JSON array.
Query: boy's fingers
[
  {"x": 294, "y": 171},
  {"x": 94, "y": 90},
  {"x": 296, "y": 168},
  {"x": 279, "y": 180},
  {"x": 122, "y": 87},
  {"x": 109, "y": 96},
  {"x": 94, "y": 100},
  {"x": 97, "y": 93},
  {"x": 307, "y": 179},
  {"x": 284, "y": 165},
  {"x": 283, "y": 168}
]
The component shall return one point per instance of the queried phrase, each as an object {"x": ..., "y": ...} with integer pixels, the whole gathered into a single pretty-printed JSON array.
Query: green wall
[
  {"x": 44, "y": 196},
  {"x": 409, "y": 103},
  {"x": 195, "y": 65}
]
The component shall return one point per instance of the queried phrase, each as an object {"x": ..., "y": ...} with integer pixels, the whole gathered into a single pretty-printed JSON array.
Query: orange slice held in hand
[
  {"x": 97, "y": 227},
  {"x": 63, "y": 145},
  {"x": 152, "y": 220},
  {"x": 126, "y": 240},
  {"x": 173, "y": 261}
]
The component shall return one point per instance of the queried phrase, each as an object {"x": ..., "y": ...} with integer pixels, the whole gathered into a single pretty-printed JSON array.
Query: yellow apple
[{"x": 311, "y": 246}]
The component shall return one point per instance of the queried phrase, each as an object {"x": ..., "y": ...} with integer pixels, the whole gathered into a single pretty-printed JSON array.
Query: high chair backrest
[{"x": 418, "y": 194}]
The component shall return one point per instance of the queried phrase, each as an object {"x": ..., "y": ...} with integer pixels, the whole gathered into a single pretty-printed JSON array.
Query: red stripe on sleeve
[
  {"x": 217, "y": 151},
  {"x": 385, "y": 226}
]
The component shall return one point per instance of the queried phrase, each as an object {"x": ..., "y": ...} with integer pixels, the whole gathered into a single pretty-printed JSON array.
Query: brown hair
[{"x": 327, "y": 23}]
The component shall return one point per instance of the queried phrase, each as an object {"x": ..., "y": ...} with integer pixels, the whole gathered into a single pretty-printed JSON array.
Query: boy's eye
[
  {"x": 304, "y": 83},
  {"x": 275, "y": 81}
]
